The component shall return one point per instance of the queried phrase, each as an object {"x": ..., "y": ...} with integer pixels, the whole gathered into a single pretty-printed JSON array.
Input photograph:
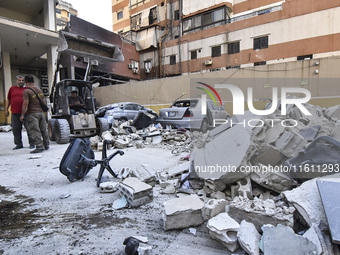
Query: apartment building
[
  {"x": 64, "y": 10},
  {"x": 175, "y": 37}
]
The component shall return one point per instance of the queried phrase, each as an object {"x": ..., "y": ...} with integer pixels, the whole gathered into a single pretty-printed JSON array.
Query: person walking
[
  {"x": 14, "y": 99},
  {"x": 35, "y": 115}
]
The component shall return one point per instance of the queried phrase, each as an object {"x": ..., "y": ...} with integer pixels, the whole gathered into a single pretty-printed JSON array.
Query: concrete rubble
[{"x": 236, "y": 183}]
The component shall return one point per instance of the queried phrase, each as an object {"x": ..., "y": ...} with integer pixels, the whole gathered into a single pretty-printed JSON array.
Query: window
[
  {"x": 233, "y": 48},
  {"x": 216, "y": 51},
  {"x": 305, "y": 57},
  {"x": 206, "y": 20},
  {"x": 261, "y": 43},
  {"x": 176, "y": 15},
  {"x": 153, "y": 16},
  {"x": 119, "y": 15},
  {"x": 193, "y": 54},
  {"x": 262, "y": 63},
  {"x": 136, "y": 21},
  {"x": 173, "y": 60}
]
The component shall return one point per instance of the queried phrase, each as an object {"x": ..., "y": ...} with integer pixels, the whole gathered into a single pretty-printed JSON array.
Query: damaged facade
[{"x": 185, "y": 36}]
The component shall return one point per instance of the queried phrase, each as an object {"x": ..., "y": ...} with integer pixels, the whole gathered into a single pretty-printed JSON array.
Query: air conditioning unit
[
  {"x": 147, "y": 70},
  {"x": 130, "y": 65},
  {"x": 135, "y": 70},
  {"x": 208, "y": 62}
]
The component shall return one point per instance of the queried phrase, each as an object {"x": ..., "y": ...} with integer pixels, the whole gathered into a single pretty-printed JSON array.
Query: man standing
[
  {"x": 35, "y": 115},
  {"x": 14, "y": 99}
]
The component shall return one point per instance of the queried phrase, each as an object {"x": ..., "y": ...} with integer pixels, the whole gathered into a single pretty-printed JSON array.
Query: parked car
[
  {"x": 187, "y": 113},
  {"x": 121, "y": 111}
]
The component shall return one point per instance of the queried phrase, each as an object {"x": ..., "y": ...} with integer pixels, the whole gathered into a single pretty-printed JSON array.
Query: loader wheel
[
  {"x": 51, "y": 129},
  {"x": 62, "y": 131},
  {"x": 102, "y": 125}
]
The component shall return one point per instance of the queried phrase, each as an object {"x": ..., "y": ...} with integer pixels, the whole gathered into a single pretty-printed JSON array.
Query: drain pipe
[{"x": 161, "y": 39}]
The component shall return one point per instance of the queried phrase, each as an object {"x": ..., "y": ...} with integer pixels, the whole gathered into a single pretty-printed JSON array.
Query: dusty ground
[{"x": 36, "y": 218}]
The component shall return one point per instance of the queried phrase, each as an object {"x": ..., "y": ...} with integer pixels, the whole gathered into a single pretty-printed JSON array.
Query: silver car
[
  {"x": 121, "y": 111},
  {"x": 187, "y": 113}
]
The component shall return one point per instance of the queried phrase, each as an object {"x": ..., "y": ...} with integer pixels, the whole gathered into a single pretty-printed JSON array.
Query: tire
[
  {"x": 51, "y": 129},
  {"x": 204, "y": 125},
  {"x": 62, "y": 131},
  {"x": 102, "y": 125}
]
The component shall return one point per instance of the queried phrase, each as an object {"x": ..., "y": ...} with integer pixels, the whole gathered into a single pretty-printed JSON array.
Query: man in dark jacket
[{"x": 35, "y": 115}]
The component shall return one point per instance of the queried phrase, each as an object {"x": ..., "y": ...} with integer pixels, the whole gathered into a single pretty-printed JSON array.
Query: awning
[{"x": 146, "y": 38}]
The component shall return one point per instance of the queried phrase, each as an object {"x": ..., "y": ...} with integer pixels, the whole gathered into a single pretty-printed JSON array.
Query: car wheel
[
  {"x": 204, "y": 125},
  {"x": 62, "y": 131},
  {"x": 102, "y": 126},
  {"x": 51, "y": 129}
]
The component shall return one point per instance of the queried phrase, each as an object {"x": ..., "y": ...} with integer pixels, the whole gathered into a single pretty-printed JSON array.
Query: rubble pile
[
  {"x": 125, "y": 135},
  {"x": 239, "y": 182}
]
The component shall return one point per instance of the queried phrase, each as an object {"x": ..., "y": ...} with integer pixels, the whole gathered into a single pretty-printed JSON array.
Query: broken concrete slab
[
  {"x": 108, "y": 187},
  {"x": 310, "y": 133},
  {"x": 312, "y": 235},
  {"x": 282, "y": 240},
  {"x": 217, "y": 161},
  {"x": 273, "y": 133},
  {"x": 289, "y": 144},
  {"x": 272, "y": 179},
  {"x": 333, "y": 112},
  {"x": 249, "y": 238},
  {"x": 145, "y": 173},
  {"x": 259, "y": 212},
  {"x": 224, "y": 229},
  {"x": 267, "y": 155},
  {"x": 213, "y": 207},
  {"x": 183, "y": 212},
  {"x": 331, "y": 204},
  {"x": 177, "y": 171},
  {"x": 136, "y": 192},
  {"x": 307, "y": 202}
]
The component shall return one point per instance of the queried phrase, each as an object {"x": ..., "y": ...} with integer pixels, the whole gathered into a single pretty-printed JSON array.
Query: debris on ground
[{"x": 246, "y": 183}]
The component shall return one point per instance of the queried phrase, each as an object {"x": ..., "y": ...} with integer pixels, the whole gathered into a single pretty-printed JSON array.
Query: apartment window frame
[
  {"x": 304, "y": 57},
  {"x": 172, "y": 59},
  {"x": 216, "y": 51},
  {"x": 176, "y": 15},
  {"x": 153, "y": 11},
  {"x": 261, "y": 42},
  {"x": 120, "y": 15},
  {"x": 233, "y": 47},
  {"x": 136, "y": 21},
  {"x": 193, "y": 54},
  {"x": 205, "y": 20}
]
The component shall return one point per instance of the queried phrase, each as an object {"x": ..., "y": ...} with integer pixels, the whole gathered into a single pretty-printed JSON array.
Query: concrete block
[
  {"x": 213, "y": 207},
  {"x": 289, "y": 144},
  {"x": 326, "y": 129},
  {"x": 224, "y": 229},
  {"x": 273, "y": 180},
  {"x": 183, "y": 212},
  {"x": 121, "y": 143},
  {"x": 145, "y": 173},
  {"x": 135, "y": 191},
  {"x": 267, "y": 155},
  {"x": 108, "y": 187},
  {"x": 244, "y": 188},
  {"x": 107, "y": 136},
  {"x": 177, "y": 171},
  {"x": 249, "y": 238},
  {"x": 282, "y": 240}
]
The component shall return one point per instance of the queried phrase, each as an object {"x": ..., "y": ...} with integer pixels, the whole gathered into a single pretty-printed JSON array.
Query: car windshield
[{"x": 185, "y": 103}]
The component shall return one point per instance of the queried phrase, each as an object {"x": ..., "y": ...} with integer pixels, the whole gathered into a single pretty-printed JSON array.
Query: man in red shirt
[{"x": 15, "y": 100}]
